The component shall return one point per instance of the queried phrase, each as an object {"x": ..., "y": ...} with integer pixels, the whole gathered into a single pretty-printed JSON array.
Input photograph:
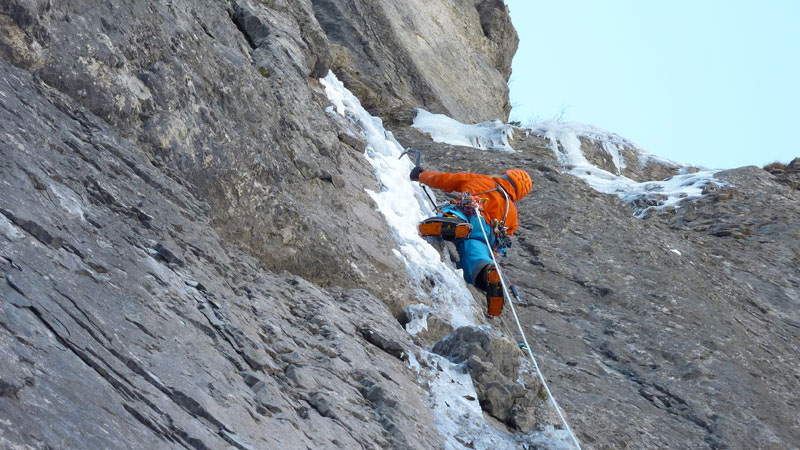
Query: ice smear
[
  {"x": 418, "y": 318},
  {"x": 459, "y": 416},
  {"x": 485, "y": 135},
  {"x": 612, "y": 143},
  {"x": 403, "y": 204},
  {"x": 413, "y": 363},
  {"x": 565, "y": 143}
]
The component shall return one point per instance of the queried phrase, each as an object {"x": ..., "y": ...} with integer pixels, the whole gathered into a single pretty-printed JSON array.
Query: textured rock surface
[
  {"x": 494, "y": 364},
  {"x": 417, "y": 53},
  {"x": 677, "y": 330},
  {"x": 788, "y": 174},
  {"x": 126, "y": 321},
  {"x": 218, "y": 92},
  {"x": 168, "y": 176}
]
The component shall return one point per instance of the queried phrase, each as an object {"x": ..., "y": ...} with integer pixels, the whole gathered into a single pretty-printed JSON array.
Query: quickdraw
[{"x": 502, "y": 239}]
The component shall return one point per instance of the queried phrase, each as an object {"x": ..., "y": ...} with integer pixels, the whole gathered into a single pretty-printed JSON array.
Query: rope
[{"x": 525, "y": 339}]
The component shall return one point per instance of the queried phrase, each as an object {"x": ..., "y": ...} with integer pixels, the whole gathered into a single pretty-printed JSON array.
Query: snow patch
[
  {"x": 357, "y": 270},
  {"x": 492, "y": 135},
  {"x": 413, "y": 363},
  {"x": 565, "y": 143}
]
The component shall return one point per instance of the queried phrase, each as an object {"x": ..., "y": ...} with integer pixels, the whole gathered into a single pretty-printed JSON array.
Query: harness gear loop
[{"x": 468, "y": 203}]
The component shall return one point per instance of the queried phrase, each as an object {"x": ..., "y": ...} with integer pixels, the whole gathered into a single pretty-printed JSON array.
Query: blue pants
[{"x": 473, "y": 254}]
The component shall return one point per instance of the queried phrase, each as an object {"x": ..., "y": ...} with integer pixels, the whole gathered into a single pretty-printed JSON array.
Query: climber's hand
[{"x": 415, "y": 173}]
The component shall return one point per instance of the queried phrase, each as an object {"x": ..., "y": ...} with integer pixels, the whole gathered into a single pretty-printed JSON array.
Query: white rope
[{"x": 522, "y": 332}]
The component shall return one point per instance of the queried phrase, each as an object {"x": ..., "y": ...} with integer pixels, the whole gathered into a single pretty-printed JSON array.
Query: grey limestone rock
[
  {"x": 486, "y": 344},
  {"x": 788, "y": 174},
  {"x": 494, "y": 364},
  {"x": 119, "y": 334},
  {"x": 223, "y": 95},
  {"x": 415, "y": 53}
]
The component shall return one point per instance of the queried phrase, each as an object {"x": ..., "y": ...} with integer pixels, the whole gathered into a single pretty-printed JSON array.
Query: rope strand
[{"x": 524, "y": 338}]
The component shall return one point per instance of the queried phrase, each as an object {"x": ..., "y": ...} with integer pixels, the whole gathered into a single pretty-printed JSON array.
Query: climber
[{"x": 458, "y": 222}]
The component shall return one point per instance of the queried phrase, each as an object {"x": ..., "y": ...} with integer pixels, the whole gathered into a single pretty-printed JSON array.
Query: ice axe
[{"x": 418, "y": 163}]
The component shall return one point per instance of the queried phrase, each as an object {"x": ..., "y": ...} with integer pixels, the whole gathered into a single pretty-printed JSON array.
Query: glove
[{"x": 415, "y": 173}]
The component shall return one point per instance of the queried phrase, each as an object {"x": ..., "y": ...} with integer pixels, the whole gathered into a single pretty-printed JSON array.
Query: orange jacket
[{"x": 475, "y": 183}]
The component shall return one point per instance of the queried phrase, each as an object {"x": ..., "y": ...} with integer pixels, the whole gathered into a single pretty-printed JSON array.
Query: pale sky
[{"x": 710, "y": 83}]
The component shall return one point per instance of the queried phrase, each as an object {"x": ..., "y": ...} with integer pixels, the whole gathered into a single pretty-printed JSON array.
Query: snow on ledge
[
  {"x": 492, "y": 135},
  {"x": 565, "y": 143},
  {"x": 644, "y": 196}
]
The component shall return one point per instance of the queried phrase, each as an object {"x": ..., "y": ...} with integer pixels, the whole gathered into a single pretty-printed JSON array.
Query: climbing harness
[
  {"x": 468, "y": 203},
  {"x": 525, "y": 340},
  {"x": 503, "y": 192}
]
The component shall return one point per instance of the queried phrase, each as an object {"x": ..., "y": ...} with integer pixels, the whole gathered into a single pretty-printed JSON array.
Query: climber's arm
[{"x": 447, "y": 182}]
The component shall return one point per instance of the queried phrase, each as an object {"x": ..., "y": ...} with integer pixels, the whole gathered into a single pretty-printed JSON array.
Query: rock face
[
  {"x": 189, "y": 257},
  {"x": 788, "y": 174},
  {"x": 127, "y": 321},
  {"x": 171, "y": 188},
  {"x": 494, "y": 363},
  {"x": 676, "y": 330},
  {"x": 399, "y": 55},
  {"x": 219, "y": 94}
]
